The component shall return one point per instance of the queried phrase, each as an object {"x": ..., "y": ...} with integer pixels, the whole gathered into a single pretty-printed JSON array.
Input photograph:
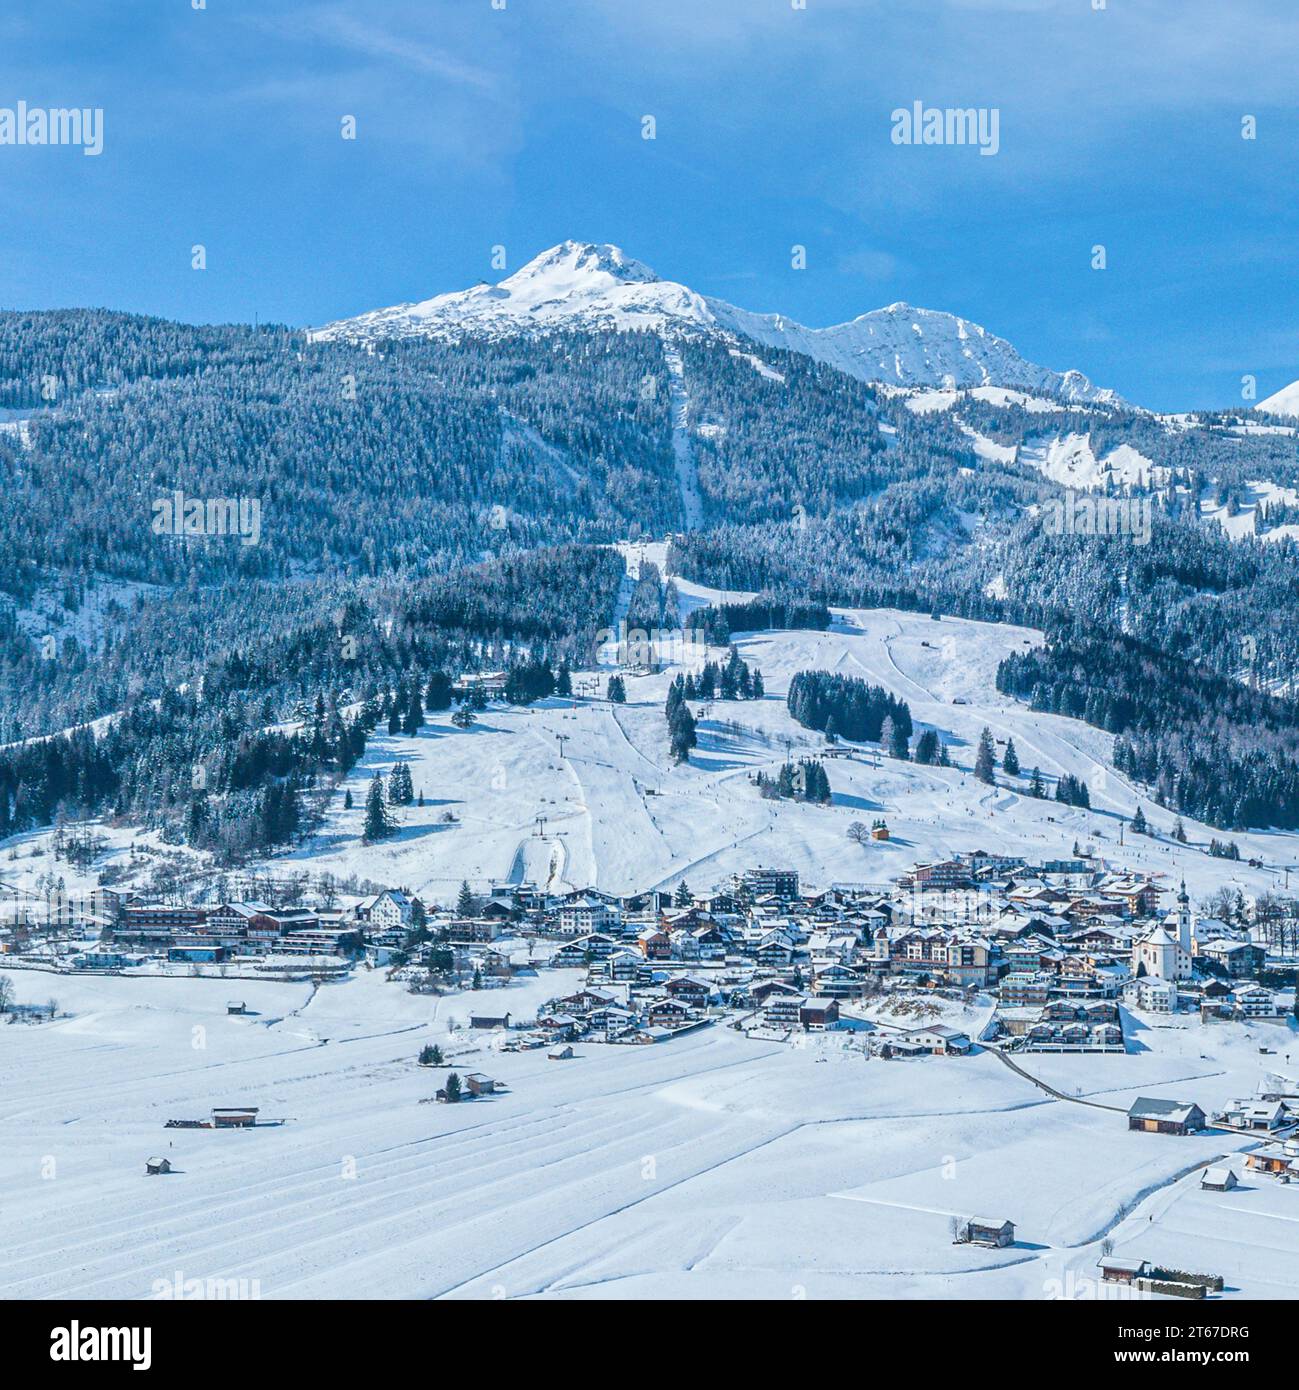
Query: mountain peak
[
  {"x": 585, "y": 259},
  {"x": 595, "y": 286}
]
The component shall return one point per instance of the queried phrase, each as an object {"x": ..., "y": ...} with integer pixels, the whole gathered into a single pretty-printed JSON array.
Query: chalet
[
  {"x": 489, "y": 683},
  {"x": 624, "y": 967},
  {"x": 783, "y": 1010},
  {"x": 282, "y": 921},
  {"x": 1220, "y": 1179},
  {"x": 760, "y": 994},
  {"x": 1024, "y": 988},
  {"x": 587, "y": 914},
  {"x": 668, "y": 1013},
  {"x": 611, "y": 1019},
  {"x": 1151, "y": 995},
  {"x": 775, "y": 883},
  {"x": 473, "y": 931},
  {"x": 774, "y": 949},
  {"x": 325, "y": 942},
  {"x": 1239, "y": 959},
  {"x": 1255, "y": 1114},
  {"x": 818, "y": 1014},
  {"x": 162, "y": 917},
  {"x": 837, "y": 981},
  {"x": 950, "y": 873},
  {"x": 587, "y": 999},
  {"x": 561, "y": 1054},
  {"x": 710, "y": 942},
  {"x": 584, "y": 949},
  {"x": 648, "y": 1035},
  {"x": 1249, "y": 1000},
  {"x": 229, "y": 922},
  {"x": 489, "y": 1022},
  {"x": 937, "y": 1039},
  {"x": 689, "y": 990},
  {"x": 1153, "y": 1116},
  {"x": 155, "y": 1166},
  {"x": 390, "y": 909},
  {"x": 654, "y": 943}
]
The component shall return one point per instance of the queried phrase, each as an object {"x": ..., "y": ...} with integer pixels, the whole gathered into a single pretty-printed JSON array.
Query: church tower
[{"x": 1184, "y": 922}]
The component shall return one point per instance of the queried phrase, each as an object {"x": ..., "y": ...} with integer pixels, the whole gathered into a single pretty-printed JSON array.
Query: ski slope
[{"x": 614, "y": 812}]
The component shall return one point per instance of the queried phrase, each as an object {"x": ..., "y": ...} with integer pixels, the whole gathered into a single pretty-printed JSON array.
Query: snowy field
[{"x": 708, "y": 1166}]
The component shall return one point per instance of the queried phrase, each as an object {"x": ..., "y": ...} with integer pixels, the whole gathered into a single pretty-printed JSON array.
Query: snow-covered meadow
[{"x": 708, "y": 1166}]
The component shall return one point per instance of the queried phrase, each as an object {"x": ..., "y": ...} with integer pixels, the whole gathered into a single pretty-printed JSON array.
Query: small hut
[
  {"x": 154, "y": 1166},
  {"x": 986, "y": 1230}
]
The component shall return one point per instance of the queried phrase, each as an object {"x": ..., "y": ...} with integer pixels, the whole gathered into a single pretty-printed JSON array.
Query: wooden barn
[
  {"x": 234, "y": 1116},
  {"x": 983, "y": 1230},
  {"x": 154, "y": 1166},
  {"x": 1165, "y": 1116}
]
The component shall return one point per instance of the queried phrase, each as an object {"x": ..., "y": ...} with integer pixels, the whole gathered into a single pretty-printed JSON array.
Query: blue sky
[{"x": 522, "y": 126}]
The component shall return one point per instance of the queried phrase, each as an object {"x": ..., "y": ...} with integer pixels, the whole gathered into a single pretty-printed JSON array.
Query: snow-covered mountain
[
  {"x": 579, "y": 285},
  {"x": 1283, "y": 402}
]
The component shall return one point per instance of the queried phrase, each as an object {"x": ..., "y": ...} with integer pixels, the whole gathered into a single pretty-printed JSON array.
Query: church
[{"x": 1165, "y": 953}]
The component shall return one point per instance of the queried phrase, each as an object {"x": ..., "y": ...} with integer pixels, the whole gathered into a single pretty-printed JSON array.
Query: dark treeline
[
  {"x": 805, "y": 780},
  {"x": 718, "y": 621},
  {"x": 1205, "y": 744},
  {"x": 207, "y": 766},
  {"x": 846, "y": 707}
]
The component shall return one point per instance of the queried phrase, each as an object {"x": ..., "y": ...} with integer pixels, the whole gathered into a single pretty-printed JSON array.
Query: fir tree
[
  {"x": 985, "y": 760},
  {"x": 897, "y": 742},
  {"x": 413, "y": 721},
  {"x": 681, "y": 733},
  {"x": 466, "y": 902},
  {"x": 437, "y": 695},
  {"x": 1010, "y": 762},
  {"x": 378, "y": 824}
]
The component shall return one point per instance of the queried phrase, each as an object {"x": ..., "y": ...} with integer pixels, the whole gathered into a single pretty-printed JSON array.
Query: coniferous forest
[{"x": 427, "y": 508}]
